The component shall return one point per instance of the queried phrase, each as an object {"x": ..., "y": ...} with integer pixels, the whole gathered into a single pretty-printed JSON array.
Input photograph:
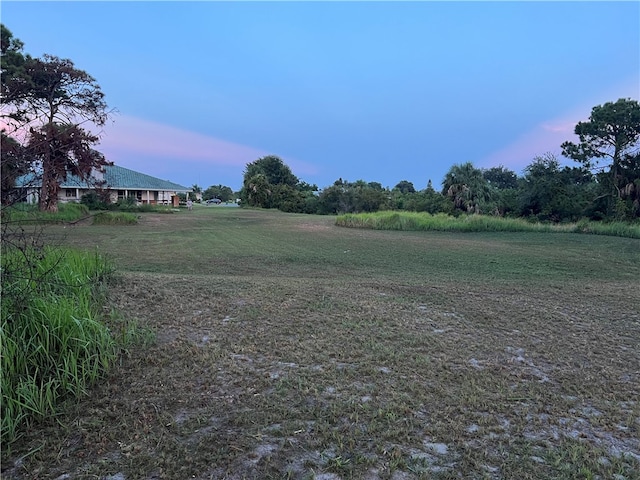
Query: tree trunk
[{"x": 48, "y": 191}]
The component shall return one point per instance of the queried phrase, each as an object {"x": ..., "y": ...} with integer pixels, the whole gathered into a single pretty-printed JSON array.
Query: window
[{"x": 70, "y": 193}]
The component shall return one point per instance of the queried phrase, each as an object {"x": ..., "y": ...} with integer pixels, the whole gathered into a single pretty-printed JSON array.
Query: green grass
[
  {"x": 118, "y": 218},
  {"x": 289, "y": 347},
  {"x": 24, "y": 213},
  {"x": 53, "y": 338},
  {"x": 412, "y": 221}
]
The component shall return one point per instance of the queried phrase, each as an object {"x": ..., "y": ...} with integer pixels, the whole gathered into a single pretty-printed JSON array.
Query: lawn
[{"x": 288, "y": 347}]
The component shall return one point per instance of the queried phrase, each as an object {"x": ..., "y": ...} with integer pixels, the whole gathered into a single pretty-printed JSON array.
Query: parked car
[{"x": 217, "y": 201}]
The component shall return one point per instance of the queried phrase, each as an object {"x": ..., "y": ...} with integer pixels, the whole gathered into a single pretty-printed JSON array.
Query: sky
[{"x": 375, "y": 91}]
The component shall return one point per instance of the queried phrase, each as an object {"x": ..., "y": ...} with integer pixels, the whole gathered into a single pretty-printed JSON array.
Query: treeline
[{"x": 604, "y": 185}]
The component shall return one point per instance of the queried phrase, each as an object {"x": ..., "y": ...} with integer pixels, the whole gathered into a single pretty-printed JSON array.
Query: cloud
[
  {"x": 131, "y": 139},
  {"x": 129, "y": 136},
  {"x": 547, "y": 136}
]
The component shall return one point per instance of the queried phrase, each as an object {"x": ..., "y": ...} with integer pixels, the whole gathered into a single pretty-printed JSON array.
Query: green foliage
[
  {"x": 53, "y": 343},
  {"x": 55, "y": 340},
  {"x": 222, "y": 192},
  {"x": 549, "y": 193},
  {"x": 610, "y": 146},
  {"x": 407, "y": 221},
  {"x": 274, "y": 169},
  {"x": 405, "y": 186},
  {"x": 500, "y": 177},
  {"x": 350, "y": 197},
  {"x": 55, "y": 98},
  {"x": 427, "y": 200},
  {"x": 115, "y": 218},
  {"x": 97, "y": 200},
  {"x": 269, "y": 183},
  {"x": 468, "y": 189},
  {"x": 13, "y": 77}
]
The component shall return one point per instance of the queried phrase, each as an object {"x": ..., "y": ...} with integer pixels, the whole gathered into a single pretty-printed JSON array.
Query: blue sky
[{"x": 378, "y": 91}]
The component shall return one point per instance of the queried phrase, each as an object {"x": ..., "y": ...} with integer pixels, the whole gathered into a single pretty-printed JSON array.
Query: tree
[
  {"x": 60, "y": 99},
  {"x": 14, "y": 163},
  {"x": 222, "y": 192},
  {"x": 13, "y": 84},
  {"x": 504, "y": 186},
  {"x": 257, "y": 191},
  {"x": 467, "y": 188},
  {"x": 610, "y": 147},
  {"x": 263, "y": 184},
  {"x": 65, "y": 149},
  {"x": 405, "y": 186},
  {"x": 427, "y": 200},
  {"x": 551, "y": 193},
  {"x": 14, "y": 81},
  {"x": 195, "y": 190},
  {"x": 353, "y": 197},
  {"x": 500, "y": 177},
  {"x": 274, "y": 169}
]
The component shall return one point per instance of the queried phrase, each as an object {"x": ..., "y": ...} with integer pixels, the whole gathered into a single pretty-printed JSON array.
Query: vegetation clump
[
  {"x": 414, "y": 221},
  {"x": 54, "y": 339}
]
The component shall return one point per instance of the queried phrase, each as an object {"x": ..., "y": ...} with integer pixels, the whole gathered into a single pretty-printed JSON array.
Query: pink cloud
[
  {"x": 549, "y": 135},
  {"x": 128, "y": 136},
  {"x": 545, "y": 137}
]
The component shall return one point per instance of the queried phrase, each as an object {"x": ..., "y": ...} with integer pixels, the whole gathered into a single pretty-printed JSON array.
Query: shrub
[{"x": 95, "y": 201}]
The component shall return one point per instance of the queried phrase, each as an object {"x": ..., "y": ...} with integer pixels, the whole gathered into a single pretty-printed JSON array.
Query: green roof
[
  {"x": 116, "y": 178},
  {"x": 124, "y": 179}
]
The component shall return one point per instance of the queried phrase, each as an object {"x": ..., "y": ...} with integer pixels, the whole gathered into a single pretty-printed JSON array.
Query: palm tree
[{"x": 467, "y": 188}]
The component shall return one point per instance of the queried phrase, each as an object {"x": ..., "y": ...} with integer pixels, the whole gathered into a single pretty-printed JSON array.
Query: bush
[{"x": 94, "y": 201}]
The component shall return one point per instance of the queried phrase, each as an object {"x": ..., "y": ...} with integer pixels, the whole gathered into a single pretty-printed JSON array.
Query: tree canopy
[
  {"x": 466, "y": 186},
  {"x": 52, "y": 98},
  {"x": 610, "y": 146},
  {"x": 270, "y": 183}
]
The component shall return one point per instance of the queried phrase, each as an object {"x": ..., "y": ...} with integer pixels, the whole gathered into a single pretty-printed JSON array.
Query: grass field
[{"x": 288, "y": 347}]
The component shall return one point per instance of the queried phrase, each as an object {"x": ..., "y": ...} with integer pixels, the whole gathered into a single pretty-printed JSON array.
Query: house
[{"x": 117, "y": 182}]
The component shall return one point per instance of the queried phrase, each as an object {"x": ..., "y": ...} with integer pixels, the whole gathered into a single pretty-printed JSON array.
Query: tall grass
[
  {"x": 413, "y": 221},
  {"x": 53, "y": 341}
]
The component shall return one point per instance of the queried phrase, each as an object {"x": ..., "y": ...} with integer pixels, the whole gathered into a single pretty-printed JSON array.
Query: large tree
[
  {"x": 48, "y": 102},
  {"x": 15, "y": 83},
  {"x": 610, "y": 147},
  {"x": 264, "y": 178},
  {"x": 61, "y": 99},
  {"x": 65, "y": 149}
]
